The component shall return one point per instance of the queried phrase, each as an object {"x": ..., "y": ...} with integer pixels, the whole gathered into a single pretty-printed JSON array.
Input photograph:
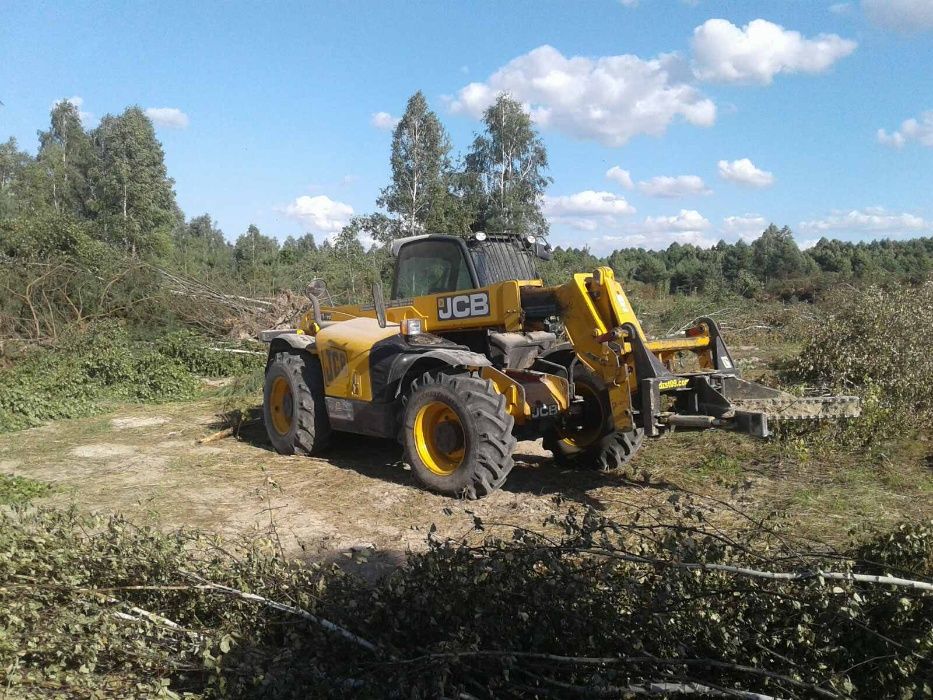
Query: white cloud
[
  {"x": 587, "y": 202},
  {"x": 840, "y": 8},
  {"x": 895, "y": 139},
  {"x": 622, "y": 177},
  {"x": 672, "y": 187},
  {"x": 908, "y": 16},
  {"x": 760, "y": 50},
  {"x": 748, "y": 227},
  {"x": 86, "y": 117},
  {"x": 688, "y": 226},
  {"x": 911, "y": 130},
  {"x": 608, "y": 99},
  {"x": 587, "y": 210},
  {"x": 868, "y": 220},
  {"x": 320, "y": 213},
  {"x": 744, "y": 172},
  {"x": 384, "y": 121},
  {"x": 169, "y": 117},
  {"x": 688, "y": 220}
]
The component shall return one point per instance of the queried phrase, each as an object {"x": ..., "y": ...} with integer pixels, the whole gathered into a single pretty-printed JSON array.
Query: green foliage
[
  {"x": 775, "y": 255},
  {"x": 87, "y": 369},
  {"x": 196, "y": 354},
  {"x": 875, "y": 341},
  {"x": 420, "y": 190},
  {"x": 136, "y": 204},
  {"x": 505, "y": 171},
  {"x": 98, "y": 605},
  {"x": 13, "y": 164},
  {"x": 66, "y": 158},
  {"x": 771, "y": 266},
  {"x": 37, "y": 390},
  {"x": 20, "y": 491}
]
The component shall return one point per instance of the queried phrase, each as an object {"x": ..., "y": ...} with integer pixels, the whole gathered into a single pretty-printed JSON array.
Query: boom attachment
[{"x": 647, "y": 394}]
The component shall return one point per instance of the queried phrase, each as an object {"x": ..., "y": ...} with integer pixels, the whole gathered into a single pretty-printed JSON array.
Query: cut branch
[{"x": 283, "y": 607}]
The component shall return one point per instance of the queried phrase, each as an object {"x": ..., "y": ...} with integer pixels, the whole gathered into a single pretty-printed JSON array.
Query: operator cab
[
  {"x": 434, "y": 264},
  {"x": 438, "y": 264}
]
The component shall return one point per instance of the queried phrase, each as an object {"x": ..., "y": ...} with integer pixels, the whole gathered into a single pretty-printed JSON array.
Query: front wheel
[
  {"x": 457, "y": 434},
  {"x": 293, "y": 404},
  {"x": 594, "y": 444}
]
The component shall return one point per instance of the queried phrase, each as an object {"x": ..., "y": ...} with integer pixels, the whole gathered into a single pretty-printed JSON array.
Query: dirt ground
[{"x": 359, "y": 506}]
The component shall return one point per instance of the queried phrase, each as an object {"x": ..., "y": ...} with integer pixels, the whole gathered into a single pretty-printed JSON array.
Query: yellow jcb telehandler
[{"x": 472, "y": 352}]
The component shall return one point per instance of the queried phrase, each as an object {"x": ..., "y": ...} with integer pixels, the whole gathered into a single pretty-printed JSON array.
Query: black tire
[
  {"x": 307, "y": 430},
  {"x": 478, "y": 429},
  {"x": 608, "y": 450}
]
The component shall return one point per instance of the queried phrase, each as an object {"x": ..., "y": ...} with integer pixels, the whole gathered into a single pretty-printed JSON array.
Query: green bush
[
  {"x": 875, "y": 342},
  {"x": 101, "y": 607},
  {"x": 201, "y": 357},
  {"x": 44, "y": 387},
  {"x": 86, "y": 369},
  {"x": 161, "y": 379}
]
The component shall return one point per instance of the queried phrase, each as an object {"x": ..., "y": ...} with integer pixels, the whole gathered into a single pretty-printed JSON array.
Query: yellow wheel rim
[
  {"x": 593, "y": 422},
  {"x": 438, "y": 435},
  {"x": 281, "y": 406}
]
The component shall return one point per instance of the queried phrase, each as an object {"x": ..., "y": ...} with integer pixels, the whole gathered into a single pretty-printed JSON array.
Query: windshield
[
  {"x": 501, "y": 260},
  {"x": 431, "y": 267}
]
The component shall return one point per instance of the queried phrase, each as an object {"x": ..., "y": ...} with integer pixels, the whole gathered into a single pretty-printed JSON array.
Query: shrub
[
  {"x": 87, "y": 368},
  {"x": 99, "y": 606},
  {"x": 200, "y": 356},
  {"x": 875, "y": 342}
]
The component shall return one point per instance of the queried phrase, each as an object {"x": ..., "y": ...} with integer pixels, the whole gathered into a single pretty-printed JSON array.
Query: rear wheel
[
  {"x": 595, "y": 444},
  {"x": 457, "y": 434},
  {"x": 293, "y": 404}
]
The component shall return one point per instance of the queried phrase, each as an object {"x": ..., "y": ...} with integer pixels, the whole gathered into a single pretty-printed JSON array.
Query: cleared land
[{"x": 359, "y": 506}]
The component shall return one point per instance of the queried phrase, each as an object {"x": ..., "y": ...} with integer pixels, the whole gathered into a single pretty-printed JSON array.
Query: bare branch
[{"x": 291, "y": 609}]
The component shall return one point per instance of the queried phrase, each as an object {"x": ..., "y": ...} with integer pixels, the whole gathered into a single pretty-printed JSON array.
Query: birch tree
[
  {"x": 421, "y": 168},
  {"x": 65, "y": 157},
  {"x": 505, "y": 175},
  {"x": 137, "y": 203}
]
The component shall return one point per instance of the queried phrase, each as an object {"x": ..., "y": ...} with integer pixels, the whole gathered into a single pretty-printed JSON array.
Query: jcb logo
[
  {"x": 463, "y": 306},
  {"x": 334, "y": 362},
  {"x": 544, "y": 410}
]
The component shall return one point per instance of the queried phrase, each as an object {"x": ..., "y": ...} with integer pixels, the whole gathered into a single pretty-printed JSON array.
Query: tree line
[
  {"x": 771, "y": 265},
  {"x": 90, "y": 193}
]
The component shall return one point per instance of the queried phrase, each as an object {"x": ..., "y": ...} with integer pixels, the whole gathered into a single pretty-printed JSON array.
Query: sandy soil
[
  {"x": 360, "y": 504},
  {"x": 146, "y": 463}
]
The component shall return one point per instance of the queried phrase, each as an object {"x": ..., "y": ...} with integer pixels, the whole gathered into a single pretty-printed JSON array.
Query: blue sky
[{"x": 717, "y": 116}]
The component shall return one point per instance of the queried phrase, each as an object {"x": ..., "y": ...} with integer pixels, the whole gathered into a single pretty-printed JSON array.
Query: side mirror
[
  {"x": 379, "y": 304},
  {"x": 543, "y": 250}
]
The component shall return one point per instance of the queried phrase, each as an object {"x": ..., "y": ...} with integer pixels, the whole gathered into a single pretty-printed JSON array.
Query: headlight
[{"x": 411, "y": 326}]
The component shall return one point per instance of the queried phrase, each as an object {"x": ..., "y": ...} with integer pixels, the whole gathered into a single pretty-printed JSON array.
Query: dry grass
[
  {"x": 144, "y": 461},
  {"x": 360, "y": 504}
]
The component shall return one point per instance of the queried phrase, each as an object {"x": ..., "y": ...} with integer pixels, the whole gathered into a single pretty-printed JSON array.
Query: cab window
[{"x": 430, "y": 267}]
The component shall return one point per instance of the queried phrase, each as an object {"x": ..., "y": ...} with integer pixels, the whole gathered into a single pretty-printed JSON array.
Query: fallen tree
[{"x": 587, "y": 608}]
